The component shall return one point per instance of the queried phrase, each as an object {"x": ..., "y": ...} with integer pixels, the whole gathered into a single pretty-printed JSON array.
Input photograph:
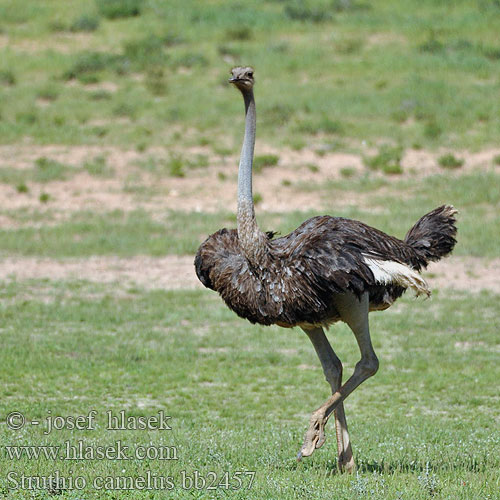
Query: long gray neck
[{"x": 251, "y": 238}]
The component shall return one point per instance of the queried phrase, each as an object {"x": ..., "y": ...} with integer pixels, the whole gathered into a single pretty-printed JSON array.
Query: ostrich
[{"x": 329, "y": 269}]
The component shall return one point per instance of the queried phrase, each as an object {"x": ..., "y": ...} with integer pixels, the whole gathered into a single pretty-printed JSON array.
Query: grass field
[{"x": 119, "y": 138}]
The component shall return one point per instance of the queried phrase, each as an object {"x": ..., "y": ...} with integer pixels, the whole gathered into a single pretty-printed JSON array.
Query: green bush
[
  {"x": 309, "y": 11},
  {"x": 98, "y": 167},
  {"x": 388, "y": 160},
  {"x": 85, "y": 22},
  {"x": 324, "y": 124},
  {"x": 89, "y": 63},
  {"x": 262, "y": 161},
  {"x": 239, "y": 33},
  {"x": 147, "y": 51},
  {"x": 432, "y": 130},
  {"x": 48, "y": 93},
  {"x": 175, "y": 166},
  {"x": 114, "y": 9},
  {"x": 7, "y": 78},
  {"x": 450, "y": 161}
]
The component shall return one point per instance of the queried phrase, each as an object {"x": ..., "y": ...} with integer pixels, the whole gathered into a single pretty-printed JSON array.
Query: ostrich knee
[{"x": 366, "y": 367}]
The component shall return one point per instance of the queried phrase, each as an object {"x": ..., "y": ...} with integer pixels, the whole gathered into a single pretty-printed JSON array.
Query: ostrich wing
[{"x": 341, "y": 255}]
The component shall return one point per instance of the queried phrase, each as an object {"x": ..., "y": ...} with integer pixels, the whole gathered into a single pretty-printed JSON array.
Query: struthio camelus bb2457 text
[{"x": 329, "y": 269}]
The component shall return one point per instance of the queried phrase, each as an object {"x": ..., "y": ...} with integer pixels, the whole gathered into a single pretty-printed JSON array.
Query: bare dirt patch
[
  {"x": 177, "y": 272},
  {"x": 65, "y": 43},
  {"x": 169, "y": 273},
  {"x": 300, "y": 180},
  {"x": 472, "y": 274}
]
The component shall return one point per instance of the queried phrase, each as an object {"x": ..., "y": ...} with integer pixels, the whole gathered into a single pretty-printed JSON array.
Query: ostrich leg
[
  {"x": 332, "y": 368},
  {"x": 354, "y": 312}
]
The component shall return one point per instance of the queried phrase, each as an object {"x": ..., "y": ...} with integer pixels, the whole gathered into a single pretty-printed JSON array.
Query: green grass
[
  {"x": 45, "y": 170},
  {"x": 407, "y": 72},
  {"x": 331, "y": 75},
  {"x": 426, "y": 419}
]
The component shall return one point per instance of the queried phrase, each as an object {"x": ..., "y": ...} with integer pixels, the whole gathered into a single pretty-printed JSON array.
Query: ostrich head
[{"x": 242, "y": 77}]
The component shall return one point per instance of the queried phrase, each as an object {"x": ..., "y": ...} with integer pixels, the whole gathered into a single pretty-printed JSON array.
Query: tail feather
[{"x": 433, "y": 236}]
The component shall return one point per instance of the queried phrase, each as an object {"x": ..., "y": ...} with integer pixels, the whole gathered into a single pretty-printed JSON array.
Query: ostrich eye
[{"x": 250, "y": 75}]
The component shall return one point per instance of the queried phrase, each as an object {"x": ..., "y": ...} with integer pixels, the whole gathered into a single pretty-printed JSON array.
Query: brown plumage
[
  {"x": 322, "y": 257},
  {"x": 328, "y": 269}
]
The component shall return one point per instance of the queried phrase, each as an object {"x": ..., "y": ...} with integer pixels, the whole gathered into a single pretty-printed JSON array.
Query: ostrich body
[{"x": 329, "y": 269}]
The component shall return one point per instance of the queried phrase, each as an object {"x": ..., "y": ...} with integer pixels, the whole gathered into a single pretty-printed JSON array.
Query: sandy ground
[
  {"x": 298, "y": 182},
  {"x": 177, "y": 272}
]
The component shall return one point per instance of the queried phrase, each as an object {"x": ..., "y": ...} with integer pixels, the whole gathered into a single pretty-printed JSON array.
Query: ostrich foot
[
  {"x": 315, "y": 435},
  {"x": 346, "y": 462}
]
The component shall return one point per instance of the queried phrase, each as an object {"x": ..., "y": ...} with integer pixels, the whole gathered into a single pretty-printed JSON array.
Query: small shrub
[
  {"x": 98, "y": 167},
  {"x": 262, "y": 161},
  {"x": 126, "y": 109},
  {"x": 393, "y": 169},
  {"x": 156, "y": 81},
  {"x": 388, "y": 160},
  {"x": 57, "y": 26},
  {"x": 85, "y": 22},
  {"x": 313, "y": 168},
  {"x": 279, "y": 114},
  {"x": 199, "y": 161},
  {"x": 227, "y": 51},
  {"x": 324, "y": 124},
  {"x": 221, "y": 176},
  {"x": 175, "y": 166},
  {"x": 222, "y": 150},
  {"x": 22, "y": 188},
  {"x": 286, "y": 182},
  {"x": 7, "y": 78},
  {"x": 496, "y": 160},
  {"x": 347, "y": 172},
  {"x": 349, "y": 5},
  {"x": 27, "y": 117},
  {"x": 239, "y": 33},
  {"x": 349, "y": 46},
  {"x": 145, "y": 52},
  {"x": 432, "y": 45},
  {"x": 190, "y": 60},
  {"x": 399, "y": 116},
  {"x": 308, "y": 11},
  {"x": 432, "y": 130},
  {"x": 44, "y": 197},
  {"x": 257, "y": 198},
  {"x": 450, "y": 161},
  {"x": 48, "y": 170},
  {"x": 99, "y": 131},
  {"x": 101, "y": 95},
  {"x": 492, "y": 53},
  {"x": 48, "y": 93},
  {"x": 59, "y": 120},
  {"x": 88, "y": 63},
  {"x": 297, "y": 143},
  {"x": 114, "y": 9}
]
